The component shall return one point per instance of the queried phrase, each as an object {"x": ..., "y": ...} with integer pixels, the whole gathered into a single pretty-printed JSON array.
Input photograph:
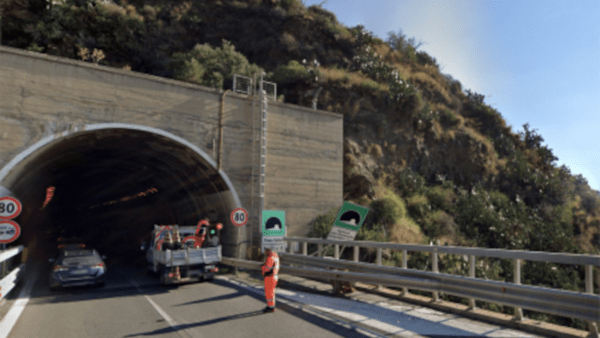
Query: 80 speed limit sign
[
  {"x": 9, "y": 207},
  {"x": 239, "y": 217}
]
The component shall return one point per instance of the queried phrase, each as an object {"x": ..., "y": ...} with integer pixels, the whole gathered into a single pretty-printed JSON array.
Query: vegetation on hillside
[{"x": 432, "y": 160}]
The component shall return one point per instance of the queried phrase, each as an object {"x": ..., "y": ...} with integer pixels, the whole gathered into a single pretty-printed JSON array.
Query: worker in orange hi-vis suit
[
  {"x": 201, "y": 231},
  {"x": 270, "y": 269}
]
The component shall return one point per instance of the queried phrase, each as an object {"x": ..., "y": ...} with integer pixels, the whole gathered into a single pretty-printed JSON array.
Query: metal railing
[
  {"x": 559, "y": 302},
  {"x": 9, "y": 281}
]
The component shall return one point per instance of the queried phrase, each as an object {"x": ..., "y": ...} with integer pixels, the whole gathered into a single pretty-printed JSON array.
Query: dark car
[{"x": 77, "y": 267}]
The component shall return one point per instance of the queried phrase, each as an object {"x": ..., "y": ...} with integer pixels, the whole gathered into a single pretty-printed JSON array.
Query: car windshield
[{"x": 81, "y": 260}]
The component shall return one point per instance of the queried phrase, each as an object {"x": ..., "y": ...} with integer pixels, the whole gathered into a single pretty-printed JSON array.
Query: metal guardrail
[
  {"x": 10, "y": 280},
  {"x": 558, "y": 302},
  {"x": 589, "y": 261}
]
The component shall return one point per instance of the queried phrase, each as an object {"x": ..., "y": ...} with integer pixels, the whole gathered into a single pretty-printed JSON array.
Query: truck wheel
[{"x": 164, "y": 275}]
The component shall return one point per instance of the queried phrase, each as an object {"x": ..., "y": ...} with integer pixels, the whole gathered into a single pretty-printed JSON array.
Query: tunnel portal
[{"x": 111, "y": 186}]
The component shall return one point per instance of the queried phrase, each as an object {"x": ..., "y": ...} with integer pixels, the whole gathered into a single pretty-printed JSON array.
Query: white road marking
[
  {"x": 9, "y": 321},
  {"x": 182, "y": 333}
]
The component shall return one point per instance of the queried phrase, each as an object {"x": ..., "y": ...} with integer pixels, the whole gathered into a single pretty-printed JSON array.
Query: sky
[{"x": 536, "y": 62}]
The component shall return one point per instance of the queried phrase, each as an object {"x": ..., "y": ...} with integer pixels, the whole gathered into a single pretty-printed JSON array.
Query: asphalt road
[{"x": 133, "y": 304}]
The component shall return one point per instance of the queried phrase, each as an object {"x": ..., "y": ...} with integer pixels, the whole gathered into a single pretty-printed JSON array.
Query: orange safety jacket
[{"x": 271, "y": 266}]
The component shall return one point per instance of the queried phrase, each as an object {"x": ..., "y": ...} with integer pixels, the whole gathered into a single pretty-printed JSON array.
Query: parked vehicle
[
  {"x": 77, "y": 267},
  {"x": 181, "y": 262}
]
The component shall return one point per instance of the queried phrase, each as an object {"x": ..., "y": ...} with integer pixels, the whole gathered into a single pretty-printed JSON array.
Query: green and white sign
[
  {"x": 273, "y": 230},
  {"x": 348, "y": 222},
  {"x": 351, "y": 216},
  {"x": 273, "y": 223}
]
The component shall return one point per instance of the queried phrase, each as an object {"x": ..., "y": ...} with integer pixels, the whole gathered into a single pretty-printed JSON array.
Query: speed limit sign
[
  {"x": 10, "y": 207},
  {"x": 239, "y": 217}
]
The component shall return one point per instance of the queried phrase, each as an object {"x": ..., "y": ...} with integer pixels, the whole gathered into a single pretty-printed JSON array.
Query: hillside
[{"x": 431, "y": 159}]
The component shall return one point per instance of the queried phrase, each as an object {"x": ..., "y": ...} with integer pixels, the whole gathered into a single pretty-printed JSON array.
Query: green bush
[
  {"x": 212, "y": 67},
  {"x": 388, "y": 210},
  {"x": 372, "y": 232},
  {"x": 410, "y": 183},
  {"x": 292, "y": 72},
  {"x": 323, "y": 223},
  {"x": 448, "y": 118},
  {"x": 441, "y": 198},
  {"x": 439, "y": 223},
  {"x": 418, "y": 205},
  {"x": 370, "y": 85}
]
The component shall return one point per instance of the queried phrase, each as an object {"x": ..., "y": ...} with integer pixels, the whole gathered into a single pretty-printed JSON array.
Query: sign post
[
  {"x": 239, "y": 217},
  {"x": 273, "y": 230}
]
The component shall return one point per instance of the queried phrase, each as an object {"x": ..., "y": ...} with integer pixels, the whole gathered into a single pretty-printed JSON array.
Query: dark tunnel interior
[{"x": 110, "y": 187}]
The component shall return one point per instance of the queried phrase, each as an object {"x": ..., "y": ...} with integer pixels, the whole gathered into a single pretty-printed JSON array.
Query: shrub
[
  {"x": 439, "y": 223},
  {"x": 449, "y": 118},
  {"x": 410, "y": 182},
  {"x": 418, "y": 205},
  {"x": 211, "y": 67},
  {"x": 372, "y": 232},
  {"x": 323, "y": 223},
  {"x": 371, "y": 85},
  {"x": 441, "y": 198},
  {"x": 389, "y": 209},
  {"x": 292, "y": 72}
]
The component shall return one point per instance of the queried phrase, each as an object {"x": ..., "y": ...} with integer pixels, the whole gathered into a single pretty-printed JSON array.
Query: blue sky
[{"x": 537, "y": 62}]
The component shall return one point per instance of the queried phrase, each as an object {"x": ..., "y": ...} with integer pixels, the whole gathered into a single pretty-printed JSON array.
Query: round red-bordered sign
[
  {"x": 9, "y": 231},
  {"x": 10, "y": 208},
  {"x": 239, "y": 217}
]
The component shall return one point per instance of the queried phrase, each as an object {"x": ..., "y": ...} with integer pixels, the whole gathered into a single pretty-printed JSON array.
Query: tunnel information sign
[
  {"x": 9, "y": 231},
  {"x": 273, "y": 230},
  {"x": 348, "y": 222},
  {"x": 10, "y": 208}
]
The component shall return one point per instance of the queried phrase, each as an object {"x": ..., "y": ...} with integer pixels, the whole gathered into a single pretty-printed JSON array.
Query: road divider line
[
  {"x": 176, "y": 327},
  {"x": 9, "y": 321}
]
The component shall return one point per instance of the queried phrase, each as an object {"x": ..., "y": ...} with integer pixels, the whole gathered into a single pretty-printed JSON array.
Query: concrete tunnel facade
[
  {"x": 100, "y": 134},
  {"x": 112, "y": 183}
]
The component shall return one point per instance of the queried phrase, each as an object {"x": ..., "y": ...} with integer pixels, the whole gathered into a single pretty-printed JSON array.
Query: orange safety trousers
[{"x": 270, "y": 283}]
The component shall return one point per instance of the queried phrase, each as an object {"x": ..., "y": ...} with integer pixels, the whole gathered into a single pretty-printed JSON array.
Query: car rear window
[
  {"x": 72, "y": 253},
  {"x": 82, "y": 260}
]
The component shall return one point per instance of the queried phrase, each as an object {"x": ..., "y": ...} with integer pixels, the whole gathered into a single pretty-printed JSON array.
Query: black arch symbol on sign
[
  {"x": 350, "y": 217},
  {"x": 273, "y": 223}
]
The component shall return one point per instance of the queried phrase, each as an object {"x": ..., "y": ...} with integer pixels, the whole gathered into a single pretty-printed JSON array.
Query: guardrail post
[
  {"x": 404, "y": 266},
  {"x": 336, "y": 253},
  {"x": 379, "y": 286},
  {"x": 589, "y": 288},
  {"x": 304, "y": 248},
  {"x": 356, "y": 249},
  {"x": 472, "y": 305},
  {"x": 320, "y": 249},
  {"x": 434, "y": 267},
  {"x": 291, "y": 247},
  {"x": 517, "y": 280}
]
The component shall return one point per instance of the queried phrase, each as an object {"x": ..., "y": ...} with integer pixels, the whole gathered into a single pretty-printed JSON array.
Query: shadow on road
[
  {"x": 199, "y": 324},
  {"x": 240, "y": 291}
]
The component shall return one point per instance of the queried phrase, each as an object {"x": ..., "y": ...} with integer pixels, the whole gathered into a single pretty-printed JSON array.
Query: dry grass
[
  {"x": 432, "y": 84},
  {"x": 343, "y": 76},
  {"x": 406, "y": 231},
  {"x": 375, "y": 150}
]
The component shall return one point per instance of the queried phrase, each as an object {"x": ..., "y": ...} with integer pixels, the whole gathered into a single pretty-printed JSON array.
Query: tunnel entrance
[{"x": 111, "y": 185}]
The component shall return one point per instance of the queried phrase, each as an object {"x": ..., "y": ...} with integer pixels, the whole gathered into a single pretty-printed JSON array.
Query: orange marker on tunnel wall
[{"x": 49, "y": 194}]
